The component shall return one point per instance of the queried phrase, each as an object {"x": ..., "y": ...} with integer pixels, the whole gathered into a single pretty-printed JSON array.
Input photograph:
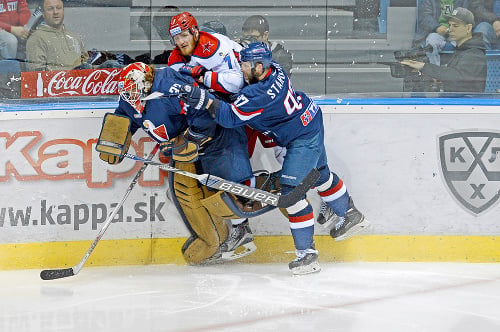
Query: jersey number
[
  {"x": 291, "y": 104},
  {"x": 227, "y": 59}
]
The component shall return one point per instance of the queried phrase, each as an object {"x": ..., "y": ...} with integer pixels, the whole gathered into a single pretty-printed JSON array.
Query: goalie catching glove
[{"x": 185, "y": 147}]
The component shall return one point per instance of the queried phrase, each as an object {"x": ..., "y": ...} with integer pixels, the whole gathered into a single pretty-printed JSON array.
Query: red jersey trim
[
  {"x": 207, "y": 46},
  {"x": 176, "y": 57}
]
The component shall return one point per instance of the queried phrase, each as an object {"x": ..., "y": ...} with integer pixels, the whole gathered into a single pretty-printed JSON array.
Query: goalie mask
[{"x": 134, "y": 83}]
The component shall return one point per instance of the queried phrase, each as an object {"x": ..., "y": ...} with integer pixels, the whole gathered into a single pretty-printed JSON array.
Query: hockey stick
[
  {"x": 158, "y": 94},
  {"x": 68, "y": 272},
  {"x": 281, "y": 201}
]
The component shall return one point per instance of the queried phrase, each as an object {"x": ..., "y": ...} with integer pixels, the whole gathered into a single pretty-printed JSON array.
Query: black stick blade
[
  {"x": 56, "y": 274},
  {"x": 298, "y": 192}
]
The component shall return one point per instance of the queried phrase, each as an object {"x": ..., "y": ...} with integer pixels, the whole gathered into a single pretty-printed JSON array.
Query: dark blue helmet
[{"x": 257, "y": 52}]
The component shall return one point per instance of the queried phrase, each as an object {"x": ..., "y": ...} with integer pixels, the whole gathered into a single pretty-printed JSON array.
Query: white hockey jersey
[{"x": 219, "y": 55}]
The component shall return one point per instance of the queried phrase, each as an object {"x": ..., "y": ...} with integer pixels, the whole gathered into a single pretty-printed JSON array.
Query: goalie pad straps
[
  {"x": 183, "y": 150},
  {"x": 114, "y": 139},
  {"x": 184, "y": 147},
  {"x": 208, "y": 230}
]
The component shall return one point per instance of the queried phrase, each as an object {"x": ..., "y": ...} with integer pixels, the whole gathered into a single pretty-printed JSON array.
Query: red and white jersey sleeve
[{"x": 219, "y": 55}]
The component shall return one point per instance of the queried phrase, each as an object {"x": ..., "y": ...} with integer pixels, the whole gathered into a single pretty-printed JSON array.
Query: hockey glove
[
  {"x": 193, "y": 71},
  {"x": 195, "y": 97},
  {"x": 181, "y": 148},
  {"x": 166, "y": 147},
  {"x": 197, "y": 138}
]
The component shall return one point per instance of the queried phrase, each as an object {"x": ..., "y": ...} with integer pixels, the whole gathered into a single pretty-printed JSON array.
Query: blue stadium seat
[
  {"x": 382, "y": 18},
  {"x": 493, "y": 71}
]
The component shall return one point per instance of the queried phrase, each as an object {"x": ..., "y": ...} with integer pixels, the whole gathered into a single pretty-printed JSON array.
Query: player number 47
[{"x": 291, "y": 104}]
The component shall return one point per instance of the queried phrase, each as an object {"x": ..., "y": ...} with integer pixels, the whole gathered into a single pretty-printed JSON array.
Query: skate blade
[
  {"x": 311, "y": 268},
  {"x": 365, "y": 224},
  {"x": 242, "y": 251},
  {"x": 215, "y": 259}
]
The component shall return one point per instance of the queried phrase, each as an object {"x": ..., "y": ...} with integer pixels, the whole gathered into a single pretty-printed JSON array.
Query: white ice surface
[{"x": 399, "y": 297}]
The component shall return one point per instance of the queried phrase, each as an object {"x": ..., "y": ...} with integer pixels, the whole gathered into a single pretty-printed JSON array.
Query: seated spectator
[
  {"x": 14, "y": 14},
  {"x": 52, "y": 47},
  {"x": 256, "y": 28},
  {"x": 466, "y": 70},
  {"x": 214, "y": 27},
  {"x": 161, "y": 21},
  {"x": 487, "y": 21},
  {"x": 432, "y": 27}
]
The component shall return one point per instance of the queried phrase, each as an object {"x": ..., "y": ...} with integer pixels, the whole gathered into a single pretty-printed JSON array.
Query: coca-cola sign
[{"x": 69, "y": 83}]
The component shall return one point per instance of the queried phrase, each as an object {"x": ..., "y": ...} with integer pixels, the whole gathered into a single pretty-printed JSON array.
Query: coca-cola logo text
[{"x": 87, "y": 82}]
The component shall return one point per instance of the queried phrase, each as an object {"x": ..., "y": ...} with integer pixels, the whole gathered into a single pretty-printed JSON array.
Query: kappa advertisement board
[
  {"x": 55, "y": 187},
  {"x": 408, "y": 173}
]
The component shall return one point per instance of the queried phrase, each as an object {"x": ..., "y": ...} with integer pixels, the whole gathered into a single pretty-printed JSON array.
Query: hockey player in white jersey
[{"x": 211, "y": 59}]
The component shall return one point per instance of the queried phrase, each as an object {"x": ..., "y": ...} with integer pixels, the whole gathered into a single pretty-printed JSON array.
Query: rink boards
[{"x": 426, "y": 176}]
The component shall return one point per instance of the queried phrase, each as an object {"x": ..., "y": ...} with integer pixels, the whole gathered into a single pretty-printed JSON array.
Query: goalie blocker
[{"x": 114, "y": 139}]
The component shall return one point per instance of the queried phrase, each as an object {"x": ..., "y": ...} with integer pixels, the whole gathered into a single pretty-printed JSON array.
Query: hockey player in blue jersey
[
  {"x": 269, "y": 104},
  {"x": 195, "y": 140}
]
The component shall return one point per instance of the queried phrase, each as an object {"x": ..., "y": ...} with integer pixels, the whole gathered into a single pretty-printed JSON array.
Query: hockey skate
[
  {"x": 326, "y": 216},
  {"x": 239, "y": 243},
  {"x": 352, "y": 223},
  {"x": 306, "y": 262}
]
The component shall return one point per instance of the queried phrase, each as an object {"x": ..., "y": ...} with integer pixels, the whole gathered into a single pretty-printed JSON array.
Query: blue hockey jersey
[
  {"x": 165, "y": 118},
  {"x": 226, "y": 155},
  {"x": 274, "y": 108}
]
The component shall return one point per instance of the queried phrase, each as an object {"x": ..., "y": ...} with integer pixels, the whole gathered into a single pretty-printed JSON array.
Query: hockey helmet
[
  {"x": 134, "y": 83},
  {"x": 181, "y": 22},
  {"x": 257, "y": 52}
]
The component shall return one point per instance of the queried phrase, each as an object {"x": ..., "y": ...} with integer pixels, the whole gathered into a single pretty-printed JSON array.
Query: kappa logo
[{"x": 470, "y": 164}]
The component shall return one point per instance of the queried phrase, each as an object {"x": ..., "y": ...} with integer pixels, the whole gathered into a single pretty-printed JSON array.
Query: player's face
[
  {"x": 186, "y": 42},
  {"x": 53, "y": 13},
  {"x": 250, "y": 74}
]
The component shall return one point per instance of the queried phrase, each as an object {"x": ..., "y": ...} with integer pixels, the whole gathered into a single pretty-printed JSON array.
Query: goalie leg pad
[{"x": 208, "y": 230}]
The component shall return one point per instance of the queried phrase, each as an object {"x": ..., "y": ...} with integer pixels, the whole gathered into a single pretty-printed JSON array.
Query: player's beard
[
  {"x": 189, "y": 49},
  {"x": 253, "y": 77}
]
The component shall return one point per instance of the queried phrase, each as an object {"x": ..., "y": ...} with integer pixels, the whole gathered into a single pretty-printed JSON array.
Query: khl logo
[{"x": 470, "y": 164}]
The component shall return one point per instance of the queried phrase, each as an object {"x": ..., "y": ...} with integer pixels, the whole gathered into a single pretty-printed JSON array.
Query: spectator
[
  {"x": 466, "y": 70},
  {"x": 14, "y": 14},
  {"x": 432, "y": 27},
  {"x": 52, "y": 47},
  {"x": 161, "y": 20},
  {"x": 256, "y": 27},
  {"x": 214, "y": 27},
  {"x": 487, "y": 21}
]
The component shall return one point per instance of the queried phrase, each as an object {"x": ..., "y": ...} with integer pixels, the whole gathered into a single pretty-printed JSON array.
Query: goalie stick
[
  {"x": 68, "y": 272},
  {"x": 281, "y": 201},
  {"x": 158, "y": 94}
]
